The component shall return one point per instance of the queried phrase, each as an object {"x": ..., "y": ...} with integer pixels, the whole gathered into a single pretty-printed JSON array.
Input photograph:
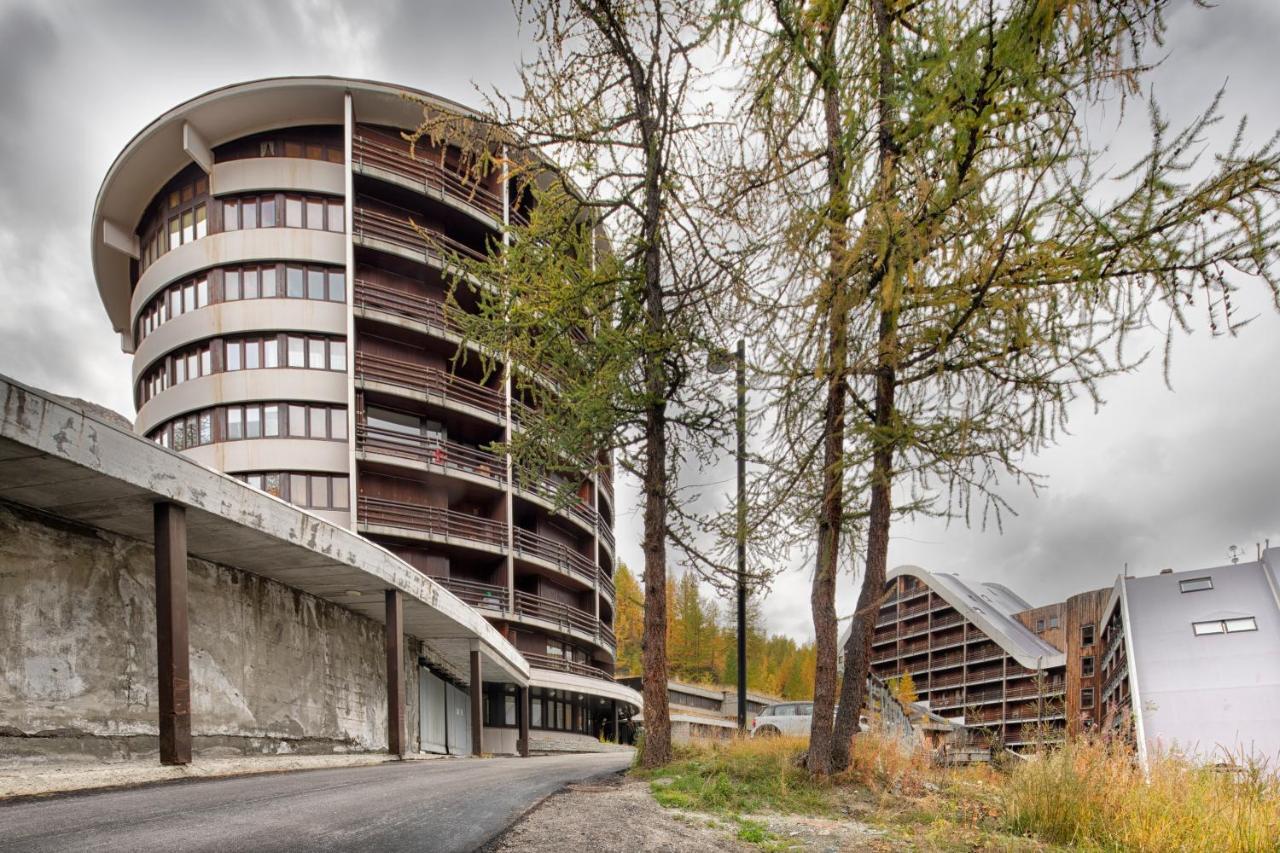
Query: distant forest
[{"x": 701, "y": 640}]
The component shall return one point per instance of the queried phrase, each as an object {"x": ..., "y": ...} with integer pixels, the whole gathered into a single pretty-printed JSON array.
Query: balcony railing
[
  {"x": 369, "y": 294},
  {"x": 436, "y": 521},
  {"x": 482, "y": 596},
  {"x": 433, "y": 451},
  {"x": 565, "y": 617},
  {"x": 606, "y": 583},
  {"x": 530, "y": 544},
  {"x": 606, "y": 533},
  {"x": 429, "y": 380},
  {"x": 557, "y": 663},
  {"x": 399, "y": 230},
  {"x": 551, "y": 489},
  {"x": 390, "y": 153}
]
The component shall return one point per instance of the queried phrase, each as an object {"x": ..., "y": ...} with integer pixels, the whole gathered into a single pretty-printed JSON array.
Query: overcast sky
[{"x": 1157, "y": 478}]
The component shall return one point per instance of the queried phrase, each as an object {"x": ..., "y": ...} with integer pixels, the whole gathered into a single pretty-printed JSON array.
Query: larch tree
[
  {"x": 604, "y": 281},
  {"x": 963, "y": 259}
]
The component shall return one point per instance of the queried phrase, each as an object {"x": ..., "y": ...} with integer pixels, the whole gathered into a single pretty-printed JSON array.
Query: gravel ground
[{"x": 615, "y": 815}]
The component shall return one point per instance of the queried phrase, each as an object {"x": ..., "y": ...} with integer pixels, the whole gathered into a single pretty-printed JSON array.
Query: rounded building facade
[{"x": 258, "y": 249}]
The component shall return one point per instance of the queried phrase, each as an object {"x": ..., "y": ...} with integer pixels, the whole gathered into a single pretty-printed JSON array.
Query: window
[
  {"x": 293, "y": 279},
  {"x": 1195, "y": 584},
  {"x": 233, "y": 351},
  {"x": 315, "y": 214},
  {"x": 1238, "y": 625},
  {"x": 1039, "y": 626},
  {"x": 268, "y": 211},
  {"x": 315, "y": 284},
  {"x": 270, "y": 353},
  {"x": 268, "y": 282},
  {"x": 1086, "y": 635},
  {"x": 335, "y": 216},
  {"x": 231, "y": 285},
  {"x": 1203, "y": 628},
  {"x": 296, "y": 352},
  {"x": 251, "y": 283},
  {"x": 271, "y": 420},
  {"x": 337, "y": 355},
  {"x": 1086, "y": 698},
  {"x": 319, "y": 422},
  {"x": 252, "y": 355},
  {"x": 298, "y": 421},
  {"x": 1086, "y": 666},
  {"x": 1053, "y": 621},
  {"x": 337, "y": 286},
  {"x": 315, "y": 353},
  {"x": 235, "y": 421},
  {"x": 292, "y": 212},
  {"x": 252, "y": 422},
  {"x": 231, "y": 215},
  {"x": 341, "y": 497},
  {"x": 319, "y": 491}
]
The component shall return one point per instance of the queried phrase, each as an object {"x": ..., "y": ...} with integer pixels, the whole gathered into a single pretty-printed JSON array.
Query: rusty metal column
[
  {"x": 172, "y": 649},
  {"x": 524, "y": 721},
  {"x": 395, "y": 672},
  {"x": 477, "y": 695}
]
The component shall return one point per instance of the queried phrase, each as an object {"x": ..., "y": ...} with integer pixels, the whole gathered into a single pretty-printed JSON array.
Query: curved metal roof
[{"x": 992, "y": 607}]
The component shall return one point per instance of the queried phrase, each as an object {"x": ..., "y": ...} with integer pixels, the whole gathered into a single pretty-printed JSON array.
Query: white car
[{"x": 789, "y": 718}]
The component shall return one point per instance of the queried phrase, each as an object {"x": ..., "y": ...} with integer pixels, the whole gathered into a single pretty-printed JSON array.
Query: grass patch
[
  {"x": 1092, "y": 794},
  {"x": 742, "y": 776}
]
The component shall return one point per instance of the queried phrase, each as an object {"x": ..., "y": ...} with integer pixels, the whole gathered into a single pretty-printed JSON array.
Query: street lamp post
[{"x": 718, "y": 366}]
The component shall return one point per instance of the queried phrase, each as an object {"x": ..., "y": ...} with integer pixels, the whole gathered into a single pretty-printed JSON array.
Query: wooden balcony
[
  {"x": 406, "y": 232},
  {"x": 450, "y": 455},
  {"x": 562, "y": 665},
  {"x": 434, "y": 521},
  {"x": 412, "y": 306},
  {"x": 492, "y": 601},
  {"x": 430, "y": 381},
  {"x": 569, "y": 561},
  {"x": 372, "y": 148}
]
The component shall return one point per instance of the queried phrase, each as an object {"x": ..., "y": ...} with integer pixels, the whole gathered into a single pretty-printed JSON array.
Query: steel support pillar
[
  {"x": 172, "y": 649},
  {"x": 477, "y": 696},
  {"x": 617, "y": 730},
  {"x": 524, "y": 721},
  {"x": 395, "y": 673}
]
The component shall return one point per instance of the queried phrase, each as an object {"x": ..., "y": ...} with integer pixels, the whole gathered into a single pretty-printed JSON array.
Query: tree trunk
[
  {"x": 657, "y": 719},
  {"x": 822, "y": 597}
]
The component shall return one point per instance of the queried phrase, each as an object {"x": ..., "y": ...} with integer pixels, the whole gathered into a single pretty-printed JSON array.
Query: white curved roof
[{"x": 991, "y": 607}]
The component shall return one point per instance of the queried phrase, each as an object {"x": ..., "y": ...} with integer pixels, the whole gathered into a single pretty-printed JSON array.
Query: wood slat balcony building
[{"x": 343, "y": 194}]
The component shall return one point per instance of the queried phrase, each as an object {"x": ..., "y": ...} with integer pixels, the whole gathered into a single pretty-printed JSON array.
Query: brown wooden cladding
[
  {"x": 1082, "y": 611},
  {"x": 1045, "y": 622}
]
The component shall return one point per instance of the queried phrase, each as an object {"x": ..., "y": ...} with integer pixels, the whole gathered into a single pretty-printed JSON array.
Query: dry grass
[
  {"x": 1089, "y": 794},
  {"x": 1092, "y": 794}
]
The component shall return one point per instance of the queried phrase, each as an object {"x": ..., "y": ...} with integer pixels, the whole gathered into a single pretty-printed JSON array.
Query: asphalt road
[{"x": 446, "y": 805}]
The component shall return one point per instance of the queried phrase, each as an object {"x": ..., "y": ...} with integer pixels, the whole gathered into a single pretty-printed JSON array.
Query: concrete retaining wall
[{"x": 272, "y": 669}]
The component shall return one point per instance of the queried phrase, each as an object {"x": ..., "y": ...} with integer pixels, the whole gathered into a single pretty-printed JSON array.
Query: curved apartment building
[{"x": 258, "y": 250}]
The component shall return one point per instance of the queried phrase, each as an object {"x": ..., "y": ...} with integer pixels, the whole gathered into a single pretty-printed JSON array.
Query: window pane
[
  {"x": 296, "y": 350},
  {"x": 174, "y": 235},
  {"x": 1195, "y": 584},
  {"x": 269, "y": 212},
  {"x": 1202, "y": 628},
  {"x": 319, "y": 418},
  {"x": 206, "y": 362},
  {"x": 298, "y": 421},
  {"x": 298, "y": 488},
  {"x": 254, "y": 480},
  {"x": 252, "y": 353},
  {"x": 180, "y": 370},
  {"x": 338, "y": 355},
  {"x": 268, "y": 282},
  {"x": 293, "y": 149},
  {"x": 293, "y": 212},
  {"x": 193, "y": 365},
  {"x": 248, "y": 214},
  {"x": 335, "y": 216},
  {"x": 202, "y": 185},
  {"x": 271, "y": 420},
  {"x": 188, "y": 226},
  {"x": 206, "y": 427},
  {"x": 271, "y": 483},
  {"x": 250, "y": 284},
  {"x": 271, "y": 353},
  {"x": 230, "y": 215},
  {"x": 231, "y": 285},
  {"x": 315, "y": 214},
  {"x": 1246, "y": 624},
  {"x": 202, "y": 221},
  {"x": 338, "y": 286},
  {"x": 252, "y": 422},
  {"x": 315, "y": 354},
  {"x": 175, "y": 198},
  {"x": 202, "y": 293},
  {"x": 233, "y": 355},
  {"x": 319, "y": 491},
  {"x": 338, "y": 424},
  {"x": 189, "y": 297},
  {"x": 293, "y": 277},
  {"x": 235, "y": 429},
  {"x": 315, "y": 284}
]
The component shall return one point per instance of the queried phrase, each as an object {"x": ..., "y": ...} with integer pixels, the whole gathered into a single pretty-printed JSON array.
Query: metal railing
[
  {"x": 429, "y": 380},
  {"x": 606, "y": 583},
  {"x": 384, "y": 151},
  {"x": 436, "y": 521},
  {"x": 432, "y": 451},
  {"x": 529, "y": 544},
  {"x": 400, "y": 231},
  {"x": 557, "y": 663},
  {"x": 565, "y": 617},
  {"x": 482, "y": 596},
  {"x": 368, "y": 294}
]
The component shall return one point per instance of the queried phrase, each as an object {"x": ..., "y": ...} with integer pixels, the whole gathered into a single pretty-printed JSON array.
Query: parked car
[{"x": 789, "y": 718}]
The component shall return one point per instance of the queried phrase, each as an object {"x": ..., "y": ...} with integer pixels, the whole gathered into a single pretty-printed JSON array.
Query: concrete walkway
[{"x": 396, "y": 806}]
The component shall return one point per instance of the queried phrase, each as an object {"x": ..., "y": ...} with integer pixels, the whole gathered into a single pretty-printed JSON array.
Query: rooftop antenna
[{"x": 1234, "y": 552}]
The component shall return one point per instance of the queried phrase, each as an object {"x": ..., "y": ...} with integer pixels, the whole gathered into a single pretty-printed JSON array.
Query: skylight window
[{"x": 1195, "y": 584}]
